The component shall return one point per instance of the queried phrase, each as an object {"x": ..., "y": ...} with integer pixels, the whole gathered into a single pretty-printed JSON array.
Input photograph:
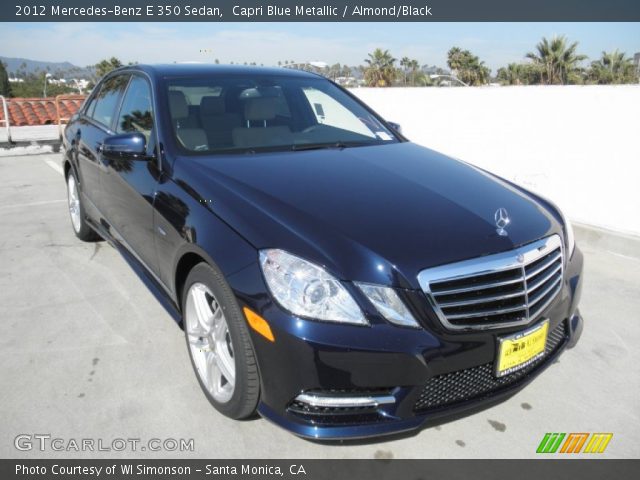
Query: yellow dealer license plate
[{"x": 519, "y": 350}]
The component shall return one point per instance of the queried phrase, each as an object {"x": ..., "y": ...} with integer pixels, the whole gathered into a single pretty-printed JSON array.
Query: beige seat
[
  {"x": 190, "y": 137},
  {"x": 216, "y": 122},
  {"x": 257, "y": 132}
]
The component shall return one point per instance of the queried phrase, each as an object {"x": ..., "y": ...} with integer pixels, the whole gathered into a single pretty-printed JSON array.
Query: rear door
[
  {"x": 128, "y": 186},
  {"x": 92, "y": 128}
]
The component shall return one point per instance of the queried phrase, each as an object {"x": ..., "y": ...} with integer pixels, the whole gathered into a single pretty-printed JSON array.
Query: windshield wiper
[{"x": 321, "y": 146}]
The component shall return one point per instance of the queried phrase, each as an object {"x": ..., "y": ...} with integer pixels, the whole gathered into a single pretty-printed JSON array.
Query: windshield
[{"x": 262, "y": 113}]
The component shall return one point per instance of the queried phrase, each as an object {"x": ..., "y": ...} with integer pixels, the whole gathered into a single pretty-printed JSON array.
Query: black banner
[
  {"x": 318, "y": 10},
  {"x": 321, "y": 469}
]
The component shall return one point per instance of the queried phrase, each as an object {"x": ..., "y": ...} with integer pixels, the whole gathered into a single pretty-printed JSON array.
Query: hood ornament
[{"x": 502, "y": 220}]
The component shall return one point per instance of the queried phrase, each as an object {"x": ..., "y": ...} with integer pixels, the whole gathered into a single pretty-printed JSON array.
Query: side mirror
[
  {"x": 131, "y": 146},
  {"x": 395, "y": 126}
]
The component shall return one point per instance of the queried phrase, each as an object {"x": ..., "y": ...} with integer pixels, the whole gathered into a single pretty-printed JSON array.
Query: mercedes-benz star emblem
[{"x": 502, "y": 220}]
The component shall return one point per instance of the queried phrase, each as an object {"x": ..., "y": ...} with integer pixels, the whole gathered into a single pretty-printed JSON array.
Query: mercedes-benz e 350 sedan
[{"x": 328, "y": 273}]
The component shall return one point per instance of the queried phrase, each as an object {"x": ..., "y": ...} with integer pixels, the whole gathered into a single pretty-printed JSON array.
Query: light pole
[
  {"x": 434, "y": 76},
  {"x": 46, "y": 78},
  {"x": 77, "y": 83}
]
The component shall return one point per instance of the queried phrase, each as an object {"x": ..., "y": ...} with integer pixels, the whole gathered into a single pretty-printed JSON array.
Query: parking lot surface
[{"x": 86, "y": 352}]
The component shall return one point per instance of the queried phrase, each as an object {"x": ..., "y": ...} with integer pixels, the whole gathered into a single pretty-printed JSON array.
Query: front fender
[{"x": 187, "y": 226}]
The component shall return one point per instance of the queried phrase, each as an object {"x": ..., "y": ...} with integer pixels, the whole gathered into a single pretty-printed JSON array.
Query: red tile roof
[{"x": 40, "y": 111}]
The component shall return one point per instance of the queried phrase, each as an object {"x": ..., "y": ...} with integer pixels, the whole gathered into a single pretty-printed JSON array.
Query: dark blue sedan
[{"x": 328, "y": 273}]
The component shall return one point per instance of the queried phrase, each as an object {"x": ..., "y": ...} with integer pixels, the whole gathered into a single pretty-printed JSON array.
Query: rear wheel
[
  {"x": 76, "y": 211},
  {"x": 218, "y": 342}
]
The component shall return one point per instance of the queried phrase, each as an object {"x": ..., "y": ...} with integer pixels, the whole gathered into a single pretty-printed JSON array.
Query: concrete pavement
[{"x": 87, "y": 352}]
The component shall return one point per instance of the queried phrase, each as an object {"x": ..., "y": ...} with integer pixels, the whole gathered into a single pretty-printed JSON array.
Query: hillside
[{"x": 59, "y": 69}]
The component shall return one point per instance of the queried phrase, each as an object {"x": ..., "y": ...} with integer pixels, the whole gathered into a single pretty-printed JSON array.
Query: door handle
[{"x": 99, "y": 147}]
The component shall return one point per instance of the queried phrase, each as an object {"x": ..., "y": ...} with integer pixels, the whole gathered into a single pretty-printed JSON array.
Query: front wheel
[
  {"x": 218, "y": 341},
  {"x": 76, "y": 211}
]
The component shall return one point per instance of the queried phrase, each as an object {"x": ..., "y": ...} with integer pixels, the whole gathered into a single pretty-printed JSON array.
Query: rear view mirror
[{"x": 127, "y": 145}]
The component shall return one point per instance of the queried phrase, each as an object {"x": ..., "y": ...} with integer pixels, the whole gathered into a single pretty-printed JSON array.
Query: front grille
[
  {"x": 506, "y": 289},
  {"x": 473, "y": 383}
]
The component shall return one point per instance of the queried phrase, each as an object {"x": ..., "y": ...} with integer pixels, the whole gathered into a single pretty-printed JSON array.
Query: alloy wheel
[
  {"x": 210, "y": 342},
  {"x": 74, "y": 202}
]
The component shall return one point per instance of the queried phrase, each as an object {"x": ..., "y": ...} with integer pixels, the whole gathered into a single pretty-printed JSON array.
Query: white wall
[{"x": 577, "y": 145}]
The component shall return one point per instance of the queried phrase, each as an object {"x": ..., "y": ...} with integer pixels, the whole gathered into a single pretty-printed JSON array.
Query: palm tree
[
  {"x": 511, "y": 74},
  {"x": 558, "y": 60},
  {"x": 413, "y": 66},
  {"x": 404, "y": 63},
  {"x": 107, "y": 65},
  {"x": 467, "y": 67},
  {"x": 613, "y": 67},
  {"x": 455, "y": 59},
  {"x": 380, "y": 70}
]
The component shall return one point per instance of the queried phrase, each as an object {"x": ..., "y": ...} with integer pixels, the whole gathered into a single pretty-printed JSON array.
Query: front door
[{"x": 128, "y": 186}]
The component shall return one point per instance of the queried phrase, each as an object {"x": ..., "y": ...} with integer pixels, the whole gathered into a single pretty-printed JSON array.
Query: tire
[
  {"x": 76, "y": 211},
  {"x": 218, "y": 342}
]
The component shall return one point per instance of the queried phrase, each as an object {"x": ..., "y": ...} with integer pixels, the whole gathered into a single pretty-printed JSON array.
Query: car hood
[{"x": 374, "y": 214}]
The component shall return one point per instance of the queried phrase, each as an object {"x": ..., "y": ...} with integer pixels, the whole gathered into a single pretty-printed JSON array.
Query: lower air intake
[{"x": 472, "y": 383}]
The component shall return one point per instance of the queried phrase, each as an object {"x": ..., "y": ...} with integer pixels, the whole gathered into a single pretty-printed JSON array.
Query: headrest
[
  {"x": 261, "y": 108},
  {"x": 212, "y": 106},
  {"x": 178, "y": 104}
]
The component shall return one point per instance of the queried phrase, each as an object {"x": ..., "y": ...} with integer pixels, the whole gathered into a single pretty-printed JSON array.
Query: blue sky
[{"x": 495, "y": 43}]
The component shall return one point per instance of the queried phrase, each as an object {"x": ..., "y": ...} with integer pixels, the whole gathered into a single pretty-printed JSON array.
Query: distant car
[{"x": 328, "y": 274}]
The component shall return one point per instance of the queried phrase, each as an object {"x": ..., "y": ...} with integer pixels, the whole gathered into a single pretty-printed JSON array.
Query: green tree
[
  {"x": 5, "y": 85},
  {"x": 467, "y": 67},
  {"x": 520, "y": 74},
  {"x": 613, "y": 67},
  {"x": 558, "y": 60},
  {"x": 32, "y": 86},
  {"x": 510, "y": 75},
  {"x": 337, "y": 70},
  {"x": 380, "y": 70}
]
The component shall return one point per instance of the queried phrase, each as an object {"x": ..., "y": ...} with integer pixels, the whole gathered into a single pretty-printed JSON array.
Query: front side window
[
  {"x": 136, "y": 114},
  {"x": 107, "y": 99},
  {"x": 238, "y": 113}
]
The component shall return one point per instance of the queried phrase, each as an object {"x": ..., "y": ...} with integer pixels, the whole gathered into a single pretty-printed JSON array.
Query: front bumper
[{"x": 431, "y": 373}]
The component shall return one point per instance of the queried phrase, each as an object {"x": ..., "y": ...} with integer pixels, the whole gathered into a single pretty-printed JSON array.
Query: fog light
[{"x": 342, "y": 401}]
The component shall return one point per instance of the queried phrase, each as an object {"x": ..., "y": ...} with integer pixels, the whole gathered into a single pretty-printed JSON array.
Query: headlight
[
  {"x": 307, "y": 290},
  {"x": 570, "y": 238},
  {"x": 388, "y": 303}
]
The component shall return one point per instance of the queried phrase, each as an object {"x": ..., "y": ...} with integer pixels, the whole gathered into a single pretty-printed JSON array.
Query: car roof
[{"x": 185, "y": 69}]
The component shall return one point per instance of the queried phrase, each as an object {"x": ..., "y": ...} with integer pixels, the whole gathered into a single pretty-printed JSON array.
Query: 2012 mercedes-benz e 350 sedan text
[{"x": 328, "y": 273}]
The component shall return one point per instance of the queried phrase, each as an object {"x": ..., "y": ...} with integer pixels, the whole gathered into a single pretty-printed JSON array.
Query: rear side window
[
  {"x": 107, "y": 99},
  {"x": 136, "y": 114}
]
